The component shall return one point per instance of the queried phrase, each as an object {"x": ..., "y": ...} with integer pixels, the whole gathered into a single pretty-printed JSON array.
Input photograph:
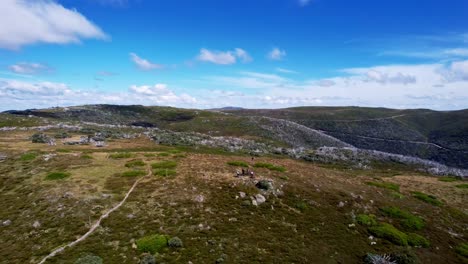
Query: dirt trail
[{"x": 95, "y": 225}]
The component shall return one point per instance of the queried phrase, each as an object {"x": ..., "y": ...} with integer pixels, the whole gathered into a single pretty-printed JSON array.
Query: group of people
[{"x": 245, "y": 172}]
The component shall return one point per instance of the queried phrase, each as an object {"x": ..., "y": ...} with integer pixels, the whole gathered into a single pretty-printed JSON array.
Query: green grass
[
  {"x": 163, "y": 154},
  {"x": 121, "y": 155},
  {"x": 238, "y": 163},
  {"x": 57, "y": 175},
  {"x": 430, "y": 199},
  {"x": 448, "y": 179},
  {"x": 86, "y": 156},
  {"x": 135, "y": 163},
  {"x": 462, "y": 249},
  {"x": 416, "y": 240},
  {"x": 462, "y": 186},
  {"x": 390, "y": 233},
  {"x": 164, "y": 172},
  {"x": 385, "y": 185},
  {"x": 164, "y": 165},
  {"x": 408, "y": 220},
  {"x": 269, "y": 166},
  {"x": 134, "y": 173},
  {"x": 302, "y": 206},
  {"x": 368, "y": 220},
  {"x": 28, "y": 156},
  {"x": 152, "y": 244}
]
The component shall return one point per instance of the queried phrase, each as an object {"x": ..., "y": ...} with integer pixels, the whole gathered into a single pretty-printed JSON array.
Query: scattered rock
[
  {"x": 106, "y": 195},
  {"x": 341, "y": 204},
  {"x": 147, "y": 259},
  {"x": 199, "y": 198},
  {"x": 6, "y": 222},
  {"x": 130, "y": 216},
  {"x": 260, "y": 199},
  {"x": 36, "y": 224},
  {"x": 175, "y": 242},
  {"x": 264, "y": 185},
  {"x": 67, "y": 195},
  {"x": 242, "y": 194}
]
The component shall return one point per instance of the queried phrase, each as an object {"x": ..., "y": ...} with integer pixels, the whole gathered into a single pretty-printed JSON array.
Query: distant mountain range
[{"x": 427, "y": 134}]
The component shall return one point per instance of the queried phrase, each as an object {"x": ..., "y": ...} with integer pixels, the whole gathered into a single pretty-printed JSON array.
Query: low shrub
[
  {"x": 135, "y": 163},
  {"x": 390, "y": 233},
  {"x": 405, "y": 256},
  {"x": 409, "y": 220},
  {"x": 86, "y": 156},
  {"x": 427, "y": 198},
  {"x": 134, "y": 173},
  {"x": 238, "y": 163},
  {"x": 264, "y": 185},
  {"x": 164, "y": 165},
  {"x": 378, "y": 259},
  {"x": 269, "y": 166},
  {"x": 152, "y": 244},
  {"x": 164, "y": 172},
  {"x": 462, "y": 249},
  {"x": 175, "y": 242},
  {"x": 368, "y": 220},
  {"x": 28, "y": 156},
  {"x": 147, "y": 259},
  {"x": 302, "y": 206},
  {"x": 448, "y": 179},
  {"x": 416, "y": 240},
  {"x": 121, "y": 155},
  {"x": 462, "y": 186},
  {"x": 385, "y": 185},
  {"x": 57, "y": 175},
  {"x": 163, "y": 154},
  {"x": 89, "y": 259}
]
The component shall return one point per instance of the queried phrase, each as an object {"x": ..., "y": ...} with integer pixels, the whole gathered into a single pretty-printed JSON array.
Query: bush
[
  {"x": 409, "y": 220},
  {"x": 28, "y": 156},
  {"x": 57, "y": 175},
  {"x": 427, "y": 198},
  {"x": 264, "y": 185},
  {"x": 163, "y": 154},
  {"x": 417, "y": 240},
  {"x": 147, "y": 259},
  {"x": 89, "y": 259},
  {"x": 175, "y": 242},
  {"x": 86, "y": 156},
  {"x": 404, "y": 257},
  {"x": 39, "y": 138},
  {"x": 462, "y": 249},
  {"x": 164, "y": 165},
  {"x": 164, "y": 172},
  {"x": 390, "y": 233},
  {"x": 368, "y": 220},
  {"x": 121, "y": 155},
  {"x": 152, "y": 244},
  {"x": 448, "y": 179},
  {"x": 134, "y": 173},
  {"x": 302, "y": 206},
  {"x": 135, "y": 163},
  {"x": 385, "y": 185},
  {"x": 378, "y": 259},
  {"x": 238, "y": 163},
  {"x": 269, "y": 166},
  {"x": 462, "y": 186}
]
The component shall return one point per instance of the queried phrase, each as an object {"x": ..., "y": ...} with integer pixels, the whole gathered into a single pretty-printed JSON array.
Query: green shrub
[
  {"x": 238, "y": 163},
  {"x": 269, "y": 166},
  {"x": 57, "y": 175},
  {"x": 86, "y": 156},
  {"x": 164, "y": 172},
  {"x": 39, "y": 138},
  {"x": 175, "y": 242},
  {"x": 152, "y": 243},
  {"x": 404, "y": 256},
  {"x": 135, "y": 163},
  {"x": 416, "y": 240},
  {"x": 147, "y": 259},
  {"x": 89, "y": 259},
  {"x": 390, "y": 233},
  {"x": 427, "y": 198},
  {"x": 134, "y": 173},
  {"x": 385, "y": 185},
  {"x": 462, "y": 249},
  {"x": 409, "y": 220},
  {"x": 284, "y": 177},
  {"x": 148, "y": 155},
  {"x": 448, "y": 179},
  {"x": 302, "y": 206},
  {"x": 368, "y": 220},
  {"x": 462, "y": 186},
  {"x": 164, "y": 165},
  {"x": 121, "y": 155},
  {"x": 163, "y": 154},
  {"x": 28, "y": 156}
]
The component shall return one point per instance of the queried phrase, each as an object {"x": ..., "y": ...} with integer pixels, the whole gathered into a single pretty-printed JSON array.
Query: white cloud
[
  {"x": 28, "y": 68},
  {"x": 457, "y": 71},
  {"x": 159, "y": 93},
  {"x": 42, "y": 21},
  {"x": 276, "y": 54},
  {"x": 304, "y": 2},
  {"x": 144, "y": 64},
  {"x": 283, "y": 70},
  {"x": 224, "y": 57}
]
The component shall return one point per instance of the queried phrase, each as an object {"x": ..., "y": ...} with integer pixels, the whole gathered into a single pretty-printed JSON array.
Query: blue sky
[{"x": 248, "y": 53}]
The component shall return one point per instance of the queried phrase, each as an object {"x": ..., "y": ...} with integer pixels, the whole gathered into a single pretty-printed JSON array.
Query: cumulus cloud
[
  {"x": 283, "y": 70},
  {"x": 159, "y": 93},
  {"x": 42, "y": 21},
  {"x": 276, "y": 54},
  {"x": 144, "y": 64},
  {"x": 223, "y": 57},
  {"x": 456, "y": 71},
  {"x": 28, "y": 68}
]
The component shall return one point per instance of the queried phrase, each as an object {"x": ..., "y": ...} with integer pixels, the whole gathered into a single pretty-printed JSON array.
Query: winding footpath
[{"x": 95, "y": 225}]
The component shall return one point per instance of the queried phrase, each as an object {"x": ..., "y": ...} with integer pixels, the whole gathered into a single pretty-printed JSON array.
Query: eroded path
[{"x": 98, "y": 222}]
